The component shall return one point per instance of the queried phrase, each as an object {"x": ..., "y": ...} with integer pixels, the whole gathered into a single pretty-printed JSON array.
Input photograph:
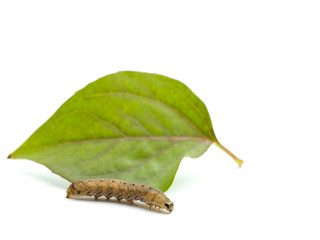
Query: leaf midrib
[{"x": 174, "y": 138}]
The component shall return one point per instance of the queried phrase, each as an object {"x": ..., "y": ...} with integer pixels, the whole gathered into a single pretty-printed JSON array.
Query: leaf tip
[{"x": 10, "y": 156}]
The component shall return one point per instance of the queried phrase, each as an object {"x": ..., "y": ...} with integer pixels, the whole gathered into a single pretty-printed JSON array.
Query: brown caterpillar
[{"x": 120, "y": 190}]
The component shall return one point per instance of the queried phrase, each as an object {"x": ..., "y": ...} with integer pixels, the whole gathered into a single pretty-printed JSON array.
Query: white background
[{"x": 255, "y": 64}]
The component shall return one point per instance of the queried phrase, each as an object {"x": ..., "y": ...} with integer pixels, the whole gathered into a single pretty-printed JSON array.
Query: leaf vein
[
  {"x": 172, "y": 163},
  {"x": 147, "y": 159},
  {"x": 193, "y": 105},
  {"x": 135, "y": 120},
  {"x": 152, "y": 99},
  {"x": 94, "y": 116}
]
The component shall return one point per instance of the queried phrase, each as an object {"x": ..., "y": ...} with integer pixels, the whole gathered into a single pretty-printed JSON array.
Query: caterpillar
[{"x": 119, "y": 189}]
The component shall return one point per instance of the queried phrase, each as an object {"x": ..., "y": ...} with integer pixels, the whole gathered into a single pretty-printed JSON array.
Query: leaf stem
[{"x": 239, "y": 161}]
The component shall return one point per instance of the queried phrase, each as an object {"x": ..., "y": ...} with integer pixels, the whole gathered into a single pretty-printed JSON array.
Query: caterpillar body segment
[{"x": 120, "y": 190}]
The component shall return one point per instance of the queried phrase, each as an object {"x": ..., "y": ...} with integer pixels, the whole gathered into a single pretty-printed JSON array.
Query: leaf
[{"x": 129, "y": 125}]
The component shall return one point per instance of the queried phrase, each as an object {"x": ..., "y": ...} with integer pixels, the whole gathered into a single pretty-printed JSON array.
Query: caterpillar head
[{"x": 168, "y": 206}]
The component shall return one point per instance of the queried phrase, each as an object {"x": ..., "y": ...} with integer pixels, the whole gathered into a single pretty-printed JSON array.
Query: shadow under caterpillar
[{"x": 120, "y": 190}]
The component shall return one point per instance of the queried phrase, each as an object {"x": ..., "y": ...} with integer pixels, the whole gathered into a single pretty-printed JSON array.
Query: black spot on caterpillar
[{"x": 120, "y": 190}]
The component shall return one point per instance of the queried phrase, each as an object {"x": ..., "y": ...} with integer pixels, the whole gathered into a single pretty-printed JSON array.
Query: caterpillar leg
[{"x": 129, "y": 199}]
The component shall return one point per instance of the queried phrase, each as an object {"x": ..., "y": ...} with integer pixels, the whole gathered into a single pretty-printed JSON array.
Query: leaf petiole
[{"x": 239, "y": 161}]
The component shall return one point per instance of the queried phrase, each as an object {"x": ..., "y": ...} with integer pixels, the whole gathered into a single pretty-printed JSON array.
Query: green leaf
[{"x": 129, "y": 125}]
